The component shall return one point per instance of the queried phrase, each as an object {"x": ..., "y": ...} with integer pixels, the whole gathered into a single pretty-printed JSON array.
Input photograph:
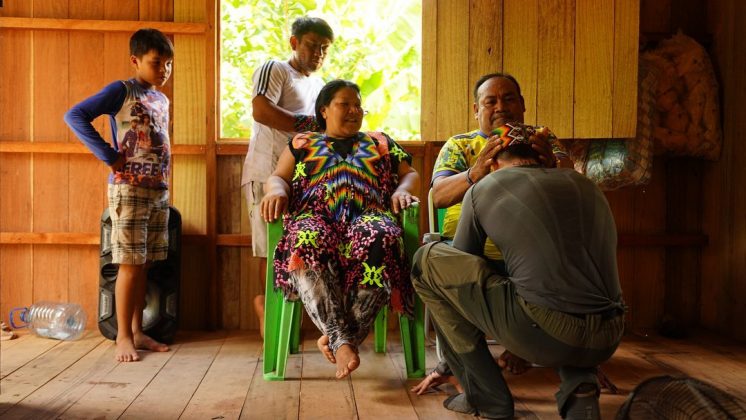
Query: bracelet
[{"x": 468, "y": 176}]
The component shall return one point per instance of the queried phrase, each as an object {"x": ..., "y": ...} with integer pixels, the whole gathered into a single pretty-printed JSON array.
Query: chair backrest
[{"x": 434, "y": 219}]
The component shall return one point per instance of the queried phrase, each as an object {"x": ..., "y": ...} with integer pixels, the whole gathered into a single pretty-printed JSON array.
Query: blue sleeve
[{"x": 108, "y": 101}]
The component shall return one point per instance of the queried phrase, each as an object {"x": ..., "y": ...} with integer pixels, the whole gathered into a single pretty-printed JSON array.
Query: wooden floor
[{"x": 217, "y": 375}]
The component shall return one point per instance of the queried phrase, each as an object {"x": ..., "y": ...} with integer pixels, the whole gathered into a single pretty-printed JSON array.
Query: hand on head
[
  {"x": 540, "y": 143},
  {"x": 487, "y": 158}
]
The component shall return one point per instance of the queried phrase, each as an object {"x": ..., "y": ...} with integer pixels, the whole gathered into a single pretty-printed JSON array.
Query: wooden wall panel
[
  {"x": 50, "y": 174},
  {"x": 619, "y": 202},
  {"x": 230, "y": 261},
  {"x": 576, "y": 61},
  {"x": 189, "y": 187},
  {"x": 87, "y": 175},
  {"x": 16, "y": 261},
  {"x": 556, "y": 60},
  {"x": 642, "y": 209},
  {"x": 735, "y": 132},
  {"x": 682, "y": 264},
  {"x": 521, "y": 47},
  {"x": 649, "y": 270},
  {"x": 156, "y": 10},
  {"x": 485, "y": 46},
  {"x": 594, "y": 60},
  {"x": 717, "y": 217},
  {"x": 452, "y": 88},
  {"x": 428, "y": 101},
  {"x": 624, "y": 91},
  {"x": 655, "y": 16},
  {"x": 194, "y": 311},
  {"x": 723, "y": 263},
  {"x": 190, "y": 10},
  {"x": 190, "y": 114},
  {"x": 188, "y": 192}
]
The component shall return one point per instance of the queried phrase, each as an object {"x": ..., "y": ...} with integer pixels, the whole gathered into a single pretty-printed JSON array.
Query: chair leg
[
  {"x": 280, "y": 326},
  {"x": 380, "y": 328},
  {"x": 413, "y": 341},
  {"x": 272, "y": 326},
  {"x": 296, "y": 326}
]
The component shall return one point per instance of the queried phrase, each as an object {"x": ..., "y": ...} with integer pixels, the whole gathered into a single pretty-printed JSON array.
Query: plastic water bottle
[{"x": 63, "y": 321}]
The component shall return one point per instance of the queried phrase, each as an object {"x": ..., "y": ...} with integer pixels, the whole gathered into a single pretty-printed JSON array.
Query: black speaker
[{"x": 161, "y": 312}]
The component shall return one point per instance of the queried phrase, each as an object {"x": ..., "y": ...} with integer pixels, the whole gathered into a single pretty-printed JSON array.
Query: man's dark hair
[
  {"x": 487, "y": 77},
  {"x": 305, "y": 24},
  {"x": 148, "y": 39},
  {"x": 518, "y": 150},
  {"x": 327, "y": 94}
]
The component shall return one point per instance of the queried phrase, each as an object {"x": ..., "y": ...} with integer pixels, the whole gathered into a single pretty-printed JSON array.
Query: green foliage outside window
[{"x": 377, "y": 45}]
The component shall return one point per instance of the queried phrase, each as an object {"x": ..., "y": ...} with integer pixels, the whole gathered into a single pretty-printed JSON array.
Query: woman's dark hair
[
  {"x": 327, "y": 94},
  {"x": 148, "y": 39},
  {"x": 305, "y": 24}
]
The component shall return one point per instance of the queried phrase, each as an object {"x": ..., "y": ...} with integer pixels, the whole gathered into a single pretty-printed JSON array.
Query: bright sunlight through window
[{"x": 377, "y": 45}]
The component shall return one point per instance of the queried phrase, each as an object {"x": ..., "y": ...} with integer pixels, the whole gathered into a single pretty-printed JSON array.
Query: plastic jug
[{"x": 63, "y": 321}]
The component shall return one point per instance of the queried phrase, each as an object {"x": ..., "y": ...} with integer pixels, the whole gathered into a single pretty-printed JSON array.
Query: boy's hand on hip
[{"x": 119, "y": 163}]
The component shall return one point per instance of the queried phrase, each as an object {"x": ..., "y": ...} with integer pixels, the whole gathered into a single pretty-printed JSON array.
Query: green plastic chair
[{"x": 282, "y": 317}]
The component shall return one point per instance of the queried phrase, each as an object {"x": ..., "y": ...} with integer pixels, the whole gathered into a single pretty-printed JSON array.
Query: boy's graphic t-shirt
[{"x": 139, "y": 124}]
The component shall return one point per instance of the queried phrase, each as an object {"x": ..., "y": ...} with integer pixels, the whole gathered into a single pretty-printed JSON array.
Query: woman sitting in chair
[{"x": 342, "y": 252}]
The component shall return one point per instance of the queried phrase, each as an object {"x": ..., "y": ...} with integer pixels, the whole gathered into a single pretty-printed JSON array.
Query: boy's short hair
[
  {"x": 305, "y": 24},
  {"x": 518, "y": 150},
  {"x": 148, "y": 39}
]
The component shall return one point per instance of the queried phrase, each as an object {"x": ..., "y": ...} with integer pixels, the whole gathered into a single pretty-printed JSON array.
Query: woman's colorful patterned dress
[{"x": 342, "y": 251}]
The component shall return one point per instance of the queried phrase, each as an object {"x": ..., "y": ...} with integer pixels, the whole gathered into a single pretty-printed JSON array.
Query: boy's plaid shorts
[{"x": 139, "y": 224}]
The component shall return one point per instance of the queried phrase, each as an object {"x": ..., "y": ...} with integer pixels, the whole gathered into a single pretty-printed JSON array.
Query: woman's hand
[
  {"x": 273, "y": 205},
  {"x": 400, "y": 200}
]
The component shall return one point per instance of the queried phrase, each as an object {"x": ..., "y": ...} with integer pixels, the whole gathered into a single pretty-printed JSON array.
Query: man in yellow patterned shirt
[{"x": 467, "y": 158}]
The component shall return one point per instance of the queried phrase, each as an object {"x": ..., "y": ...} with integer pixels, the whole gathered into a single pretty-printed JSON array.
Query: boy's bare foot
[
  {"x": 125, "y": 351},
  {"x": 323, "y": 344},
  {"x": 145, "y": 342},
  {"x": 513, "y": 363},
  {"x": 259, "y": 310},
  {"x": 347, "y": 360}
]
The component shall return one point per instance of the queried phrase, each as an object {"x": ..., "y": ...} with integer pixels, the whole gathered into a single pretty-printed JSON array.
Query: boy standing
[{"x": 138, "y": 184}]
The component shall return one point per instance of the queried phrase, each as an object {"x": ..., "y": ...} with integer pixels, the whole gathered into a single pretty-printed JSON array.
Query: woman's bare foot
[
  {"x": 125, "y": 351},
  {"x": 259, "y": 310},
  {"x": 145, "y": 342},
  {"x": 323, "y": 344},
  {"x": 347, "y": 360},
  {"x": 513, "y": 363}
]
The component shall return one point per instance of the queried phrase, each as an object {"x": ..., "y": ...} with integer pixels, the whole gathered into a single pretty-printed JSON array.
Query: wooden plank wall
[
  {"x": 576, "y": 61},
  {"x": 52, "y": 189},
  {"x": 723, "y": 269}
]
